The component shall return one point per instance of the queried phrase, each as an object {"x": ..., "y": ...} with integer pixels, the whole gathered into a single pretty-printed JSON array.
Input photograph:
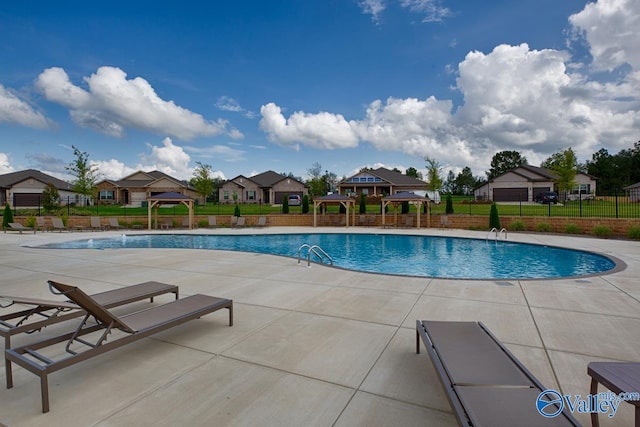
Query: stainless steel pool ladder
[
  {"x": 317, "y": 251},
  {"x": 497, "y": 233}
]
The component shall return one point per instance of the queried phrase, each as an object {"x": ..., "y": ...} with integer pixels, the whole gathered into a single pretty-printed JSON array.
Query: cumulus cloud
[
  {"x": 218, "y": 152},
  {"x": 611, "y": 29},
  {"x": 321, "y": 130},
  {"x": 18, "y": 111},
  {"x": 514, "y": 98},
  {"x": 431, "y": 10},
  {"x": 5, "y": 165},
  {"x": 226, "y": 103},
  {"x": 373, "y": 8},
  {"x": 113, "y": 103}
]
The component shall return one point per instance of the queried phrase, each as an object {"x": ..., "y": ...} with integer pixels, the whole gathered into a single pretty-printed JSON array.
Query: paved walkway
[{"x": 310, "y": 346}]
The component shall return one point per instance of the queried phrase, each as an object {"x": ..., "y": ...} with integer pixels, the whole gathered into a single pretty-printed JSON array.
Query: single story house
[
  {"x": 135, "y": 189},
  {"x": 380, "y": 181},
  {"x": 268, "y": 187},
  {"x": 524, "y": 183},
  {"x": 23, "y": 189},
  {"x": 634, "y": 192}
]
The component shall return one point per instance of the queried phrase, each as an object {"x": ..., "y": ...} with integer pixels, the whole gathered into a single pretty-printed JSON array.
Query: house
[
  {"x": 134, "y": 189},
  {"x": 23, "y": 189},
  {"x": 379, "y": 181},
  {"x": 524, "y": 183},
  {"x": 634, "y": 192},
  {"x": 268, "y": 187}
]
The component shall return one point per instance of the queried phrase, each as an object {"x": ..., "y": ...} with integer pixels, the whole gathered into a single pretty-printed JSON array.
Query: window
[
  {"x": 251, "y": 195},
  {"x": 225, "y": 195},
  {"x": 107, "y": 195}
]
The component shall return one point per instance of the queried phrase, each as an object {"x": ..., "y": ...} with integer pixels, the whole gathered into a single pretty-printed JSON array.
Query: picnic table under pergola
[
  {"x": 335, "y": 199},
  {"x": 412, "y": 199},
  {"x": 172, "y": 198}
]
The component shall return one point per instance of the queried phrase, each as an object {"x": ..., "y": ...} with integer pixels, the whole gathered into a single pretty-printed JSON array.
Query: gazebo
[
  {"x": 335, "y": 199},
  {"x": 412, "y": 199},
  {"x": 169, "y": 198}
]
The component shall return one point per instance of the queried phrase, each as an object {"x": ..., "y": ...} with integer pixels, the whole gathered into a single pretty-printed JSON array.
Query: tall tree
[
  {"x": 202, "y": 180},
  {"x": 465, "y": 181},
  {"x": 504, "y": 161},
  {"x": 317, "y": 181},
  {"x": 449, "y": 185},
  {"x": 433, "y": 174},
  {"x": 50, "y": 198},
  {"x": 86, "y": 174},
  {"x": 413, "y": 172},
  {"x": 564, "y": 164}
]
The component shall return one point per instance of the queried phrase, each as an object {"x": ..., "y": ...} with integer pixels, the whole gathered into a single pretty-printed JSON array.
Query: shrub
[
  {"x": 494, "y": 219},
  {"x": 7, "y": 216},
  {"x": 203, "y": 223},
  {"x": 572, "y": 229},
  {"x": 517, "y": 226},
  {"x": 285, "y": 204},
  {"x": 236, "y": 211},
  {"x": 363, "y": 204},
  {"x": 449, "y": 207},
  {"x": 543, "y": 227},
  {"x": 602, "y": 231},
  {"x": 634, "y": 232},
  {"x": 305, "y": 204}
]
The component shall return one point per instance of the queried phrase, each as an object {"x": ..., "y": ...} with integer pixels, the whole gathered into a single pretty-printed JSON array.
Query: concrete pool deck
[{"x": 310, "y": 346}]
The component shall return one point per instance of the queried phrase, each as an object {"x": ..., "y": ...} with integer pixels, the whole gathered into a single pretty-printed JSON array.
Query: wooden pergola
[
  {"x": 169, "y": 198},
  {"x": 412, "y": 199},
  {"x": 335, "y": 199}
]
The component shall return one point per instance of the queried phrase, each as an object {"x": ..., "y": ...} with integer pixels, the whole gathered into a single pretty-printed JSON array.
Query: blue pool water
[{"x": 426, "y": 256}]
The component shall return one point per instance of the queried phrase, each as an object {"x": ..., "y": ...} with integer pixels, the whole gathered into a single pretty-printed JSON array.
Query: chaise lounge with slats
[
  {"x": 132, "y": 327},
  {"x": 39, "y": 313},
  {"x": 484, "y": 382}
]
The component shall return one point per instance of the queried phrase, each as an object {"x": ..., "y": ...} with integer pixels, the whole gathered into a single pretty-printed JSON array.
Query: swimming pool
[{"x": 425, "y": 256}]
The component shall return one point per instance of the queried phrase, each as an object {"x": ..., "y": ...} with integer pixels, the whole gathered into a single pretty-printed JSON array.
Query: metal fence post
[{"x": 616, "y": 203}]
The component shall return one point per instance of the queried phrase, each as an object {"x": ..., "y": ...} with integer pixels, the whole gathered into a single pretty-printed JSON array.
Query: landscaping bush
[
  {"x": 363, "y": 204},
  {"x": 7, "y": 216},
  {"x": 285, "y": 204},
  {"x": 449, "y": 207},
  {"x": 494, "y": 219},
  {"x": 602, "y": 231},
  {"x": 543, "y": 227},
  {"x": 236, "y": 211},
  {"x": 572, "y": 229},
  {"x": 517, "y": 226},
  {"x": 634, "y": 232},
  {"x": 305, "y": 204}
]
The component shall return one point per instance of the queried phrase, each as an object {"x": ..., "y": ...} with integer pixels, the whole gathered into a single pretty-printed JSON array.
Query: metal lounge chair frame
[
  {"x": 134, "y": 327},
  {"x": 49, "y": 312},
  {"x": 486, "y": 385},
  {"x": 16, "y": 226}
]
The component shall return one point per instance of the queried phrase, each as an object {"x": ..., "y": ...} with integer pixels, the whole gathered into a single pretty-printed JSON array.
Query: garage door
[
  {"x": 26, "y": 199},
  {"x": 510, "y": 194}
]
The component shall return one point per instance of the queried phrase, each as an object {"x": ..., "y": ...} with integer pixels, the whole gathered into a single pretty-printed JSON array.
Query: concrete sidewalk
[{"x": 309, "y": 346}]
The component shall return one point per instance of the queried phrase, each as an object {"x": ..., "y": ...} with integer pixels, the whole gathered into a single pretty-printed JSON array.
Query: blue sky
[{"x": 253, "y": 86}]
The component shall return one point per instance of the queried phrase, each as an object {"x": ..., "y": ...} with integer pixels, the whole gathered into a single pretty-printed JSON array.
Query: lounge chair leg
[
  {"x": 44, "y": 390},
  {"x": 231, "y": 314},
  {"x": 417, "y": 342},
  {"x": 8, "y": 373}
]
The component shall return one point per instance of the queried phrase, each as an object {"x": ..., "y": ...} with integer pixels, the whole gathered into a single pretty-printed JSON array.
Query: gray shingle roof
[{"x": 12, "y": 178}]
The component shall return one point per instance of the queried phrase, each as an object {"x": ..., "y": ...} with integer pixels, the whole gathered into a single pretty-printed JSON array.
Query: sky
[{"x": 250, "y": 86}]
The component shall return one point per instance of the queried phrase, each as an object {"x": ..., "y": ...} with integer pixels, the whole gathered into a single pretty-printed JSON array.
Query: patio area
[{"x": 309, "y": 346}]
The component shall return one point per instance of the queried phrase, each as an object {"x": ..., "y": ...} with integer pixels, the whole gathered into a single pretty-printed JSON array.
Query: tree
[
  {"x": 305, "y": 204},
  {"x": 202, "y": 180},
  {"x": 465, "y": 182},
  {"x": 449, "y": 185},
  {"x": 50, "y": 198},
  {"x": 317, "y": 182},
  {"x": 363, "y": 203},
  {"x": 85, "y": 174},
  {"x": 433, "y": 174},
  {"x": 564, "y": 164},
  {"x": 285, "y": 204},
  {"x": 413, "y": 172},
  {"x": 504, "y": 161}
]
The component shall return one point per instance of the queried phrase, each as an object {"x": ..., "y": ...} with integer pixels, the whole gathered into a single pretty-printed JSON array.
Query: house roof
[
  {"x": 12, "y": 178},
  {"x": 153, "y": 176},
  {"x": 264, "y": 179},
  {"x": 636, "y": 185},
  {"x": 390, "y": 176}
]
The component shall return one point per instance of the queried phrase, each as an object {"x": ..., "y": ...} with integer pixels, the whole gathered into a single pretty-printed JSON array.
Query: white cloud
[
  {"x": 321, "y": 130},
  {"x": 611, "y": 29},
  {"x": 431, "y": 10},
  {"x": 114, "y": 103},
  {"x": 15, "y": 110},
  {"x": 373, "y": 8},
  {"x": 5, "y": 165},
  {"x": 218, "y": 152},
  {"x": 168, "y": 158},
  {"x": 226, "y": 103}
]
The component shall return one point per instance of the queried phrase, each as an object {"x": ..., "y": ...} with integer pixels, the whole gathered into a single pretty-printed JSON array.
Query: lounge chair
[
  {"x": 408, "y": 222},
  {"x": 40, "y": 313},
  {"x": 444, "y": 221},
  {"x": 484, "y": 383},
  {"x": 58, "y": 224},
  {"x": 95, "y": 223},
  {"x": 113, "y": 223},
  {"x": 41, "y": 223},
  {"x": 213, "y": 223},
  {"x": 16, "y": 226},
  {"x": 166, "y": 224},
  {"x": 185, "y": 222},
  {"x": 240, "y": 221},
  {"x": 262, "y": 221},
  {"x": 132, "y": 327}
]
